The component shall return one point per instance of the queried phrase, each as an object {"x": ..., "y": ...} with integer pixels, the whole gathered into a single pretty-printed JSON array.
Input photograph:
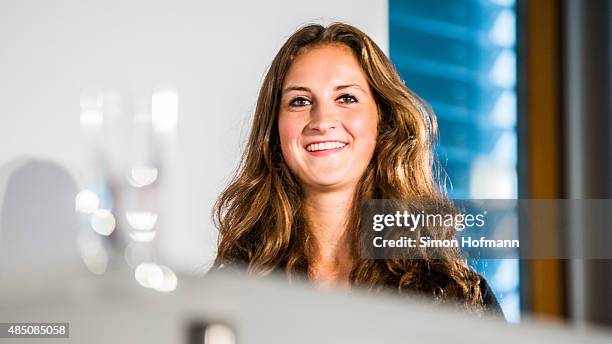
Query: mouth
[{"x": 325, "y": 147}]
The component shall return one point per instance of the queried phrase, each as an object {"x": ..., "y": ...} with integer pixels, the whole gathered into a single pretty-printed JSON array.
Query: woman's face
[{"x": 328, "y": 118}]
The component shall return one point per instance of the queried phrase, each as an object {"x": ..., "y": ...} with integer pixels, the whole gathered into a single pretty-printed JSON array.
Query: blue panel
[{"x": 459, "y": 56}]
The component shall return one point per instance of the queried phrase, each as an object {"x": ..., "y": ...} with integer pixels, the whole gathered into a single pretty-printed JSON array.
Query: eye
[
  {"x": 299, "y": 102},
  {"x": 347, "y": 98}
]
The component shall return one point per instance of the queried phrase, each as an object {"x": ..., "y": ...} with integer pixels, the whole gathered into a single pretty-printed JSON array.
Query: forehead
[{"x": 325, "y": 63}]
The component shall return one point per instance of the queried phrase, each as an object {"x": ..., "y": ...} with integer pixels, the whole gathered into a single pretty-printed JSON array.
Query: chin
[{"x": 334, "y": 181}]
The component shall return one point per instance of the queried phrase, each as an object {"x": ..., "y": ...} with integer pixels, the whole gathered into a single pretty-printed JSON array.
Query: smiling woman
[{"x": 335, "y": 125}]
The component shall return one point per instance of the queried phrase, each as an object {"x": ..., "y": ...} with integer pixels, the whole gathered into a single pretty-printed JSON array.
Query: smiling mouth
[{"x": 324, "y": 146}]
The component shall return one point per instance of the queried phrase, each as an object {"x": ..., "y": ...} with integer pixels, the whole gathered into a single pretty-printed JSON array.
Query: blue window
[{"x": 460, "y": 57}]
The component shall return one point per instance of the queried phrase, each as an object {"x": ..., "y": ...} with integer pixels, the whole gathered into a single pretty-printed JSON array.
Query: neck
[{"x": 327, "y": 214}]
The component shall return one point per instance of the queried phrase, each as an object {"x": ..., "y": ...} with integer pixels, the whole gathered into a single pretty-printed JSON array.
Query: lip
[{"x": 325, "y": 152}]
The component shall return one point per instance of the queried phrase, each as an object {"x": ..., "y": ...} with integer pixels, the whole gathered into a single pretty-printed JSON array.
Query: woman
[{"x": 335, "y": 125}]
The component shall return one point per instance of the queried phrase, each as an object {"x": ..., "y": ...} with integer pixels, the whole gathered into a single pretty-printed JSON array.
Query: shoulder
[{"x": 489, "y": 300}]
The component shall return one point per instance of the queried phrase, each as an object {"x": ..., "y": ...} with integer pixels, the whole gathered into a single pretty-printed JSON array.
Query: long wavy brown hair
[{"x": 261, "y": 217}]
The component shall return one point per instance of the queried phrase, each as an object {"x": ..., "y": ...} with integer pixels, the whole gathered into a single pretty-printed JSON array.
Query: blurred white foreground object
[{"x": 227, "y": 309}]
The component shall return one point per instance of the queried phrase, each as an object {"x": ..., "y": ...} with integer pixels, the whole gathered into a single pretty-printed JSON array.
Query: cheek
[
  {"x": 286, "y": 129},
  {"x": 365, "y": 129},
  {"x": 289, "y": 131}
]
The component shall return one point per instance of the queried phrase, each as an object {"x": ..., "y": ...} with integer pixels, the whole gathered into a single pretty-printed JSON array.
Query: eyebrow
[{"x": 306, "y": 89}]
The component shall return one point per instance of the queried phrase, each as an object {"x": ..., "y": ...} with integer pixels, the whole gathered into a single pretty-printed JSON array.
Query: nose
[{"x": 322, "y": 117}]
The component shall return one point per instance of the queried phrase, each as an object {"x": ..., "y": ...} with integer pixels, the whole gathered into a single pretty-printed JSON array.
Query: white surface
[
  {"x": 214, "y": 53},
  {"x": 114, "y": 309}
]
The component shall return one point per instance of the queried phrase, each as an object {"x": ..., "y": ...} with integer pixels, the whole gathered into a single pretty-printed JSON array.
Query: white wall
[{"x": 214, "y": 53}]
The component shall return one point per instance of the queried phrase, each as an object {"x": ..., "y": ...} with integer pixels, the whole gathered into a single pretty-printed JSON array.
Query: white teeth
[{"x": 325, "y": 146}]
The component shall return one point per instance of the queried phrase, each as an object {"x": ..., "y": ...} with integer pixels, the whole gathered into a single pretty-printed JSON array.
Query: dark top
[{"x": 489, "y": 299}]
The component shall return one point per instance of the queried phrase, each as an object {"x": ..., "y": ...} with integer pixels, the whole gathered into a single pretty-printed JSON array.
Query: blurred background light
[
  {"x": 503, "y": 32},
  {"x": 158, "y": 277},
  {"x": 219, "y": 334},
  {"x": 92, "y": 252},
  {"x": 86, "y": 201},
  {"x": 504, "y": 111},
  {"x": 164, "y": 111},
  {"x": 503, "y": 72},
  {"x": 142, "y": 236},
  {"x": 142, "y": 176},
  {"x": 103, "y": 222},
  {"x": 149, "y": 275},
  {"x": 484, "y": 180},
  {"x": 169, "y": 281},
  {"x": 141, "y": 220}
]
